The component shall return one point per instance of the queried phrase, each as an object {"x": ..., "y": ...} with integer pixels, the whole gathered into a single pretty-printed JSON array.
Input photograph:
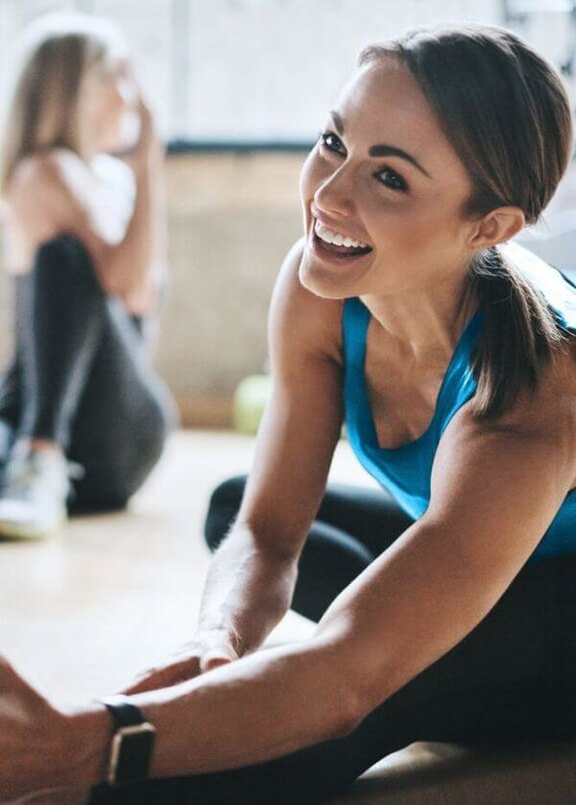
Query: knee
[
  {"x": 222, "y": 510},
  {"x": 156, "y": 425},
  {"x": 65, "y": 261},
  {"x": 152, "y": 435}
]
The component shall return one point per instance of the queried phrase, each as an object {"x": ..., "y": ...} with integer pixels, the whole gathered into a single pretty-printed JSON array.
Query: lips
[{"x": 336, "y": 243}]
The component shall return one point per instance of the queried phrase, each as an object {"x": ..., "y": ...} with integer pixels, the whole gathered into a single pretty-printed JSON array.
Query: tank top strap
[{"x": 355, "y": 321}]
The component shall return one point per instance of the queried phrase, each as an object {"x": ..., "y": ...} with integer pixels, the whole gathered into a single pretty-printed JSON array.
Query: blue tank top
[{"x": 405, "y": 471}]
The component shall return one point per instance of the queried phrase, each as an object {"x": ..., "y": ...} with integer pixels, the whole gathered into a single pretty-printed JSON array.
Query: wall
[{"x": 232, "y": 218}]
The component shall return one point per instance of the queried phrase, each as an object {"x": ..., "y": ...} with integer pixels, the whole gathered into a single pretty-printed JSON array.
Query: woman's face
[
  {"x": 109, "y": 107},
  {"x": 383, "y": 193}
]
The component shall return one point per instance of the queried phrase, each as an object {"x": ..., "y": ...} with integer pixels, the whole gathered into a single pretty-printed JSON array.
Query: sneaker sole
[{"x": 16, "y": 531}]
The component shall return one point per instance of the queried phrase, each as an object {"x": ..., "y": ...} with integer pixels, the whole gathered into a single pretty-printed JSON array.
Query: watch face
[{"x": 131, "y": 753}]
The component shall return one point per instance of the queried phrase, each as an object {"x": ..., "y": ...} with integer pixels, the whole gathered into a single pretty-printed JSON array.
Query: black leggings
[
  {"x": 512, "y": 680},
  {"x": 81, "y": 377}
]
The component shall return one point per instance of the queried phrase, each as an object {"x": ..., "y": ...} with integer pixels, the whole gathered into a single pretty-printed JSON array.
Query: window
[{"x": 265, "y": 71}]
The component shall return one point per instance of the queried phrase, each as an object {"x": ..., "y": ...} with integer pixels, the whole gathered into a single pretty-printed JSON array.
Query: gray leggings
[{"x": 81, "y": 377}]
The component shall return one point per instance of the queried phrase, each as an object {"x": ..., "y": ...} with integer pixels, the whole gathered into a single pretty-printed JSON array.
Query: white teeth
[{"x": 330, "y": 236}]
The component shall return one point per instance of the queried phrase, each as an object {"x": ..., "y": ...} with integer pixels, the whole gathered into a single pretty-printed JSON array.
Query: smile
[{"x": 338, "y": 243}]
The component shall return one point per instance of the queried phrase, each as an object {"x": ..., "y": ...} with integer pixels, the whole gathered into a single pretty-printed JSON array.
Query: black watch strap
[{"x": 133, "y": 741}]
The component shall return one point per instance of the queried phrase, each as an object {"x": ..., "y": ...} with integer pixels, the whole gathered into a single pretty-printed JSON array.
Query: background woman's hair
[
  {"x": 51, "y": 59},
  {"x": 506, "y": 113}
]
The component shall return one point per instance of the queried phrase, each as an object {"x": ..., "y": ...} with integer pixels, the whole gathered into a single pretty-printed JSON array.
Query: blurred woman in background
[{"x": 84, "y": 242}]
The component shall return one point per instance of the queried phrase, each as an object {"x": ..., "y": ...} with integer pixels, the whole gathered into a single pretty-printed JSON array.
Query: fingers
[
  {"x": 221, "y": 655},
  {"x": 144, "y": 110},
  {"x": 4, "y": 664},
  {"x": 215, "y": 662},
  {"x": 9, "y": 676},
  {"x": 165, "y": 676},
  {"x": 141, "y": 686},
  {"x": 183, "y": 670},
  {"x": 204, "y": 653},
  {"x": 153, "y": 681}
]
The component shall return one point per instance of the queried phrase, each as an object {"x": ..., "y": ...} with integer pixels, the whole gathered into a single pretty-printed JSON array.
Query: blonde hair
[{"x": 53, "y": 56}]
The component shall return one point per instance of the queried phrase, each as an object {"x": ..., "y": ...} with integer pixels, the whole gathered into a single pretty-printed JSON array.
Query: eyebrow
[{"x": 382, "y": 150}]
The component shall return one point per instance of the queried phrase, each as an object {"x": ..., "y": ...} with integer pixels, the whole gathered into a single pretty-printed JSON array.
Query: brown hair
[
  {"x": 507, "y": 115},
  {"x": 52, "y": 58}
]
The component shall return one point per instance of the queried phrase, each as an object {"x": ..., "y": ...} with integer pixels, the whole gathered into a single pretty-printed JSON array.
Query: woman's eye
[
  {"x": 332, "y": 142},
  {"x": 391, "y": 179}
]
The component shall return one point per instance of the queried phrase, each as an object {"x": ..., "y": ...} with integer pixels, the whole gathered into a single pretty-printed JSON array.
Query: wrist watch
[{"x": 132, "y": 744}]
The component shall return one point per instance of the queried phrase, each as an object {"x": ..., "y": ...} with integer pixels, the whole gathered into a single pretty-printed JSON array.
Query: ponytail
[{"x": 519, "y": 336}]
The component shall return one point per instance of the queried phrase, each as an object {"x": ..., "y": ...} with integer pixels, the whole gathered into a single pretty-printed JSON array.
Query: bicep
[
  {"x": 302, "y": 422},
  {"x": 494, "y": 493}
]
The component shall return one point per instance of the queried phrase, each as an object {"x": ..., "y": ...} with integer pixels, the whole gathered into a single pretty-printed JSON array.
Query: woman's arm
[
  {"x": 139, "y": 264},
  {"x": 495, "y": 490},
  {"x": 249, "y": 588},
  {"x": 252, "y": 575},
  {"x": 56, "y": 192}
]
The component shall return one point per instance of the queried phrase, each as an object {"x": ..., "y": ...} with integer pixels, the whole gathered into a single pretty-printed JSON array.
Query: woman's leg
[
  {"x": 9, "y": 411},
  {"x": 59, "y": 321},
  {"x": 87, "y": 385},
  {"x": 123, "y": 418},
  {"x": 512, "y": 680},
  {"x": 352, "y": 527},
  {"x": 57, "y": 331}
]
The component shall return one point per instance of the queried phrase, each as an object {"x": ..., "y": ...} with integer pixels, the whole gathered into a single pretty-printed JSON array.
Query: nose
[{"x": 335, "y": 194}]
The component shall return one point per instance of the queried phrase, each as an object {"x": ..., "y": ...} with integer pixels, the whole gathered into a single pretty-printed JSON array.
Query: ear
[{"x": 496, "y": 226}]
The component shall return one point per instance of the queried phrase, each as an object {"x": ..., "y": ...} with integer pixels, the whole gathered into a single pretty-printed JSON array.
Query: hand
[
  {"x": 34, "y": 750},
  {"x": 206, "y": 651},
  {"x": 149, "y": 147}
]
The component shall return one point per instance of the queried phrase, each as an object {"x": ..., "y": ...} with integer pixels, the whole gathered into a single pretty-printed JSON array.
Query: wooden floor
[{"x": 86, "y": 610}]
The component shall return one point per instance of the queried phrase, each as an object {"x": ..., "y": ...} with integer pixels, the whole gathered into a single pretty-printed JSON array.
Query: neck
[{"x": 425, "y": 323}]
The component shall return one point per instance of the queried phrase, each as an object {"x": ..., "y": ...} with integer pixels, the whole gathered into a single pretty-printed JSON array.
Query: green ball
[{"x": 250, "y": 400}]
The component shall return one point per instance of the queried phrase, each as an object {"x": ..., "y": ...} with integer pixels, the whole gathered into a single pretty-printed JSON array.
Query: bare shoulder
[
  {"x": 56, "y": 170},
  {"x": 51, "y": 190},
  {"x": 523, "y": 460},
  {"x": 301, "y": 322},
  {"x": 546, "y": 414}
]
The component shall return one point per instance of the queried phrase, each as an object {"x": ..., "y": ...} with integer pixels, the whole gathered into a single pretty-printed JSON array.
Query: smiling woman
[{"x": 446, "y": 602}]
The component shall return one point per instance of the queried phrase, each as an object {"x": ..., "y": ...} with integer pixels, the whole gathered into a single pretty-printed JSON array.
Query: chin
[{"x": 322, "y": 283}]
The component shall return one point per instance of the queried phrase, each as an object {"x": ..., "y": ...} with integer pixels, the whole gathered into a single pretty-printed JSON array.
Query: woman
[
  {"x": 85, "y": 245},
  {"x": 455, "y": 364}
]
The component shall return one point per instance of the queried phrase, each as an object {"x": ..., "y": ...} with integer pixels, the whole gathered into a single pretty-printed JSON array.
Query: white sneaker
[{"x": 33, "y": 501}]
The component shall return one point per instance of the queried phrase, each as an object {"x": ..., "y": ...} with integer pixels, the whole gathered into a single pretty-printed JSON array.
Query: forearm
[
  {"x": 247, "y": 591},
  {"x": 258, "y": 708},
  {"x": 136, "y": 265}
]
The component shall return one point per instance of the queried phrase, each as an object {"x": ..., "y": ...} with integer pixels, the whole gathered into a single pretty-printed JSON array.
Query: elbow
[
  {"x": 353, "y": 696},
  {"x": 347, "y": 721},
  {"x": 327, "y": 694},
  {"x": 346, "y": 726},
  {"x": 118, "y": 284},
  {"x": 111, "y": 288},
  {"x": 113, "y": 279},
  {"x": 347, "y": 713}
]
